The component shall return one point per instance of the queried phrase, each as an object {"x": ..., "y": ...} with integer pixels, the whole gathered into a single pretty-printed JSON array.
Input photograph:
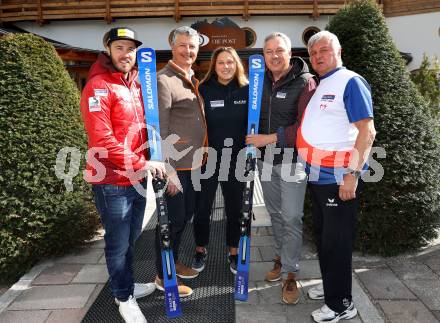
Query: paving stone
[
  {"x": 406, "y": 311},
  {"x": 58, "y": 274},
  {"x": 262, "y": 218},
  {"x": 258, "y": 270},
  {"x": 53, "y": 297},
  {"x": 437, "y": 315},
  {"x": 67, "y": 316},
  {"x": 255, "y": 254},
  {"x": 35, "y": 271},
  {"x": 434, "y": 264},
  {"x": 267, "y": 253},
  {"x": 262, "y": 241},
  {"x": 309, "y": 269},
  {"x": 428, "y": 291},
  {"x": 97, "y": 244},
  {"x": 412, "y": 270},
  {"x": 366, "y": 309},
  {"x": 260, "y": 314},
  {"x": 92, "y": 274},
  {"x": 269, "y": 293},
  {"x": 102, "y": 260},
  {"x": 24, "y": 316},
  {"x": 84, "y": 256},
  {"x": 382, "y": 283},
  {"x": 259, "y": 231}
]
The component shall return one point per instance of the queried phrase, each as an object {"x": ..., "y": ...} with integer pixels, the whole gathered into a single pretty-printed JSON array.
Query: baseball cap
[{"x": 121, "y": 33}]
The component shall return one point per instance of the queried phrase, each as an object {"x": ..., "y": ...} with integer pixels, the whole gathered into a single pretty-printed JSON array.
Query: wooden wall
[{"x": 394, "y": 8}]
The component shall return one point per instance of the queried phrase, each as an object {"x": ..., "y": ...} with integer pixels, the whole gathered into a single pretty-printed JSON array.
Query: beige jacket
[{"x": 181, "y": 112}]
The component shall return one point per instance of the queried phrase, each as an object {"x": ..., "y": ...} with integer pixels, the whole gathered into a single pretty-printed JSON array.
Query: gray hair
[
  {"x": 284, "y": 37},
  {"x": 184, "y": 30},
  {"x": 326, "y": 35}
]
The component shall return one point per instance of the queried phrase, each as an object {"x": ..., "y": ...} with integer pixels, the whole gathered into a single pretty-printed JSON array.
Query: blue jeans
[{"x": 122, "y": 211}]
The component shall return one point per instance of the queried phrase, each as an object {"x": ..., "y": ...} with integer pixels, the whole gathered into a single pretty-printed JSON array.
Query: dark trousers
[
  {"x": 232, "y": 191},
  {"x": 180, "y": 210},
  {"x": 334, "y": 225}
]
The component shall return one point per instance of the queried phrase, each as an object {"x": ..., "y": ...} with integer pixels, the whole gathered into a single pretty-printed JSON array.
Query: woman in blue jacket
[{"x": 225, "y": 93}]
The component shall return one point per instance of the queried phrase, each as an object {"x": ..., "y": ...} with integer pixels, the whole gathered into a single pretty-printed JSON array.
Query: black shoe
[
  {"x": 199, "y": 260},
  {"x": 233, "y": 259}
]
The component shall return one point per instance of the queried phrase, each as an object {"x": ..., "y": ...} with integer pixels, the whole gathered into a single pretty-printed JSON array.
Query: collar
[{"x": 332, "y": 72}]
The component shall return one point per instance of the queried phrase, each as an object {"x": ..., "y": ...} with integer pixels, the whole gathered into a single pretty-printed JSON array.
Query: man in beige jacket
[{"x": 180, "y": 113}]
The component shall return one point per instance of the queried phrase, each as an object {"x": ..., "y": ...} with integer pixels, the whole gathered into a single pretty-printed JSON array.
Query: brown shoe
[
  {"x": 290, "y": 293},
  {"x": 275, "y": 274},
  {"x": 184, "y": 291},
  {"x": 185, "y": 272}
]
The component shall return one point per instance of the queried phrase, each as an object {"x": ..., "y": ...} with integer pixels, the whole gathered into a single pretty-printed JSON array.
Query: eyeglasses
[{"x": 278, "y": 52}]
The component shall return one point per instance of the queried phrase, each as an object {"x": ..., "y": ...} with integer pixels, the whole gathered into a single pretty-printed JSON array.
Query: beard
[{"x": 123, "y": 68}]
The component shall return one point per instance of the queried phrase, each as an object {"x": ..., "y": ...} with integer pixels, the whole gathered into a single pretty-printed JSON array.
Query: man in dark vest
[{"x": 287, "y": 82}]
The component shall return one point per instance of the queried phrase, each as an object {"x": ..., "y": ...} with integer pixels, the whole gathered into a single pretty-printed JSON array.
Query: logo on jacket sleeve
[
  {"x": 94, "y": 104},
  {"x": 237, "y": 102},
  {"x": 101, "y": 92}
]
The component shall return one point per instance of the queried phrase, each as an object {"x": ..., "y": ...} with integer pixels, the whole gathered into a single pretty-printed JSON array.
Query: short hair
[
  {"x": 239, "y": 70},
  {"x": 324, "y": 34},
  {"x": 281, "y": 35},
  {"x": 105, "y": 39},
  {"x": 184, "y": 30}
]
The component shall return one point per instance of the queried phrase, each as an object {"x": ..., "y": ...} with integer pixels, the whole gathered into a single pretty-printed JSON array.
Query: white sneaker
[
  {"x": 325, "y": 314},
  {"x": 130, "y": 311},
  {"x": 141, "y": 290},
  {"x": 316, "y": 292}
]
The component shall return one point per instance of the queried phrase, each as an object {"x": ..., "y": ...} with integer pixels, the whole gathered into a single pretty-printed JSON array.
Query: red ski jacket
[{"x": 113, "y": 115}]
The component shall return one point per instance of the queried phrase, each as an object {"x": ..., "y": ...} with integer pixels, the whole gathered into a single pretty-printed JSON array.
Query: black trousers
[
  {"x": 180, "y": 210},
  {"x": 232, "y": 191},
  {"x": 334, "y": 225}
]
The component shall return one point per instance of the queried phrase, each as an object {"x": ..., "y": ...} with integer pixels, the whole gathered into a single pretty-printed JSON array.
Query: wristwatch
[{"x": 356, "y": 173}]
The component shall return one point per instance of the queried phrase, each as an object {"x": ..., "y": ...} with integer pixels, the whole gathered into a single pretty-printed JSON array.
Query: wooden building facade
[{"x": 78, "y": 60}]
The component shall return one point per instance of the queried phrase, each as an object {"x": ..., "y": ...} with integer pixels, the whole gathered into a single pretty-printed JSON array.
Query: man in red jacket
[{"x": 111, "y": 107}]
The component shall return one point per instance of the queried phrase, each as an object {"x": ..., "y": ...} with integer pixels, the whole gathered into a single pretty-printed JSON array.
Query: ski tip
[
  {"x": 241, "y": 297},
  {"x": 174, "y": 314}
]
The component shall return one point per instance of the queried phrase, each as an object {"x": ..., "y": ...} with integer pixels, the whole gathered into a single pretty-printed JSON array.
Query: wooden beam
[
  {"x": 40, "y": 13},
  {"x": 246, "y": 10},
  {"x": 71, "y": 55},
  {"x": 315, "y": 14},
  {"x": 108, "y": 14},
  {"x": 176, "y": 11}
]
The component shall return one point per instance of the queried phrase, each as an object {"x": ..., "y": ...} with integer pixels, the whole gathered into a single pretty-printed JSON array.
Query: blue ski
[
  {"x": 256, "y": 78},
  {"x": 146, "y": 58}
]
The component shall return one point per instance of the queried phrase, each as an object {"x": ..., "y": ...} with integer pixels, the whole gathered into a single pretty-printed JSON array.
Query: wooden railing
[
  {"x": 46, "y": 10},
  {"x": 408, "y": 7}
]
